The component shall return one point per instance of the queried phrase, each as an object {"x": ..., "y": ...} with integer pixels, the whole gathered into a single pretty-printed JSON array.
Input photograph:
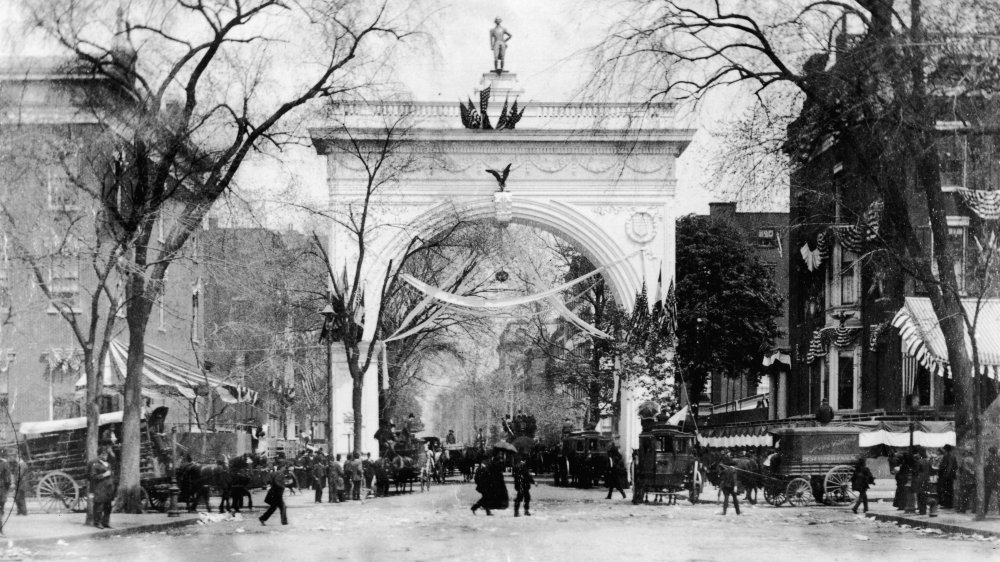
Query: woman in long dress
[{"x": 490, "y": 484}]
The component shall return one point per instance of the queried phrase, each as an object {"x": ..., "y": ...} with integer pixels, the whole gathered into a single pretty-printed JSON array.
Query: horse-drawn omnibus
[
  {"x": 667, "y": 463},
  {"x": 580, "y": 446},
  {"x": 816, "y": 461}
]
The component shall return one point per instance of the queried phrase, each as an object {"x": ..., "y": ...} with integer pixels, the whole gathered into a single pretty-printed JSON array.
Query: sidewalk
[
  {"x": 947, "y": 520},
  {"x": 44, "y": 528}
]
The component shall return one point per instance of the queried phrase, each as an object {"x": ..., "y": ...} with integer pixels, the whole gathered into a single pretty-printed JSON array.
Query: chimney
[{"x": 723, "y": 211}]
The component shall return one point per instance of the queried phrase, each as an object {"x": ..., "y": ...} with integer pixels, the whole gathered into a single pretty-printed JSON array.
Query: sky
[{"x": 548, "y": 52}]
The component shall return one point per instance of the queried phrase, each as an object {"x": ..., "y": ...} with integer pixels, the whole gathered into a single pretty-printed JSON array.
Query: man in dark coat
[
  {"x": 522, "y": 485},
  {"x": 22, "y": 485},
  {"x": 921, "y": 479},
  {"x": 319, "y": 477},
  {"x": 335, "y": 480},
  {"x": 729, "y": 482},
  {"x": 490, "y": 484},
  {"x": 275, "y": 498},
  {"x": 967, "y": 483},
  {"x": 617, "y": 474},
  {"x": 561, "y": 471},
  {"x": 5, "y": 481},
  {"x": 947, "y": 470},
  {"x": 102, "y": 486},
  {"x": 861, "y": 480}
]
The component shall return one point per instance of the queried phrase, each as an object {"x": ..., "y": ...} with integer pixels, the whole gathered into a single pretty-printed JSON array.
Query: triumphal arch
[{"x": 601, "y": 175}]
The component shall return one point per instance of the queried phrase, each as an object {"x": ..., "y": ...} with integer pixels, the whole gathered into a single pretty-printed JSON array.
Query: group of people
[
  {"x": 950, "y": 477},
  {"x": 492, "y": 488}
]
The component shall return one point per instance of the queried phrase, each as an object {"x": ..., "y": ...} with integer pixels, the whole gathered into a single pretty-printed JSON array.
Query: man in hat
[
  {"x": 947, "y": 469},
  {"x": 522, "y": 485},
  {"x": 450, "y": 438},
  {"x": 498, "y": 44},
  {"x": 729, "y": 483},
  {"x": 966, "y": 483},
  {"x": 102, "y": 486}
]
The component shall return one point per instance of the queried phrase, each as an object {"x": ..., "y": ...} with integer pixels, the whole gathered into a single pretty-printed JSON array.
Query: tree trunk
[
  {"x": 129, "y": 488},
  {"x": 93, "y": 412},
  {"x": 357, "y": 394}
]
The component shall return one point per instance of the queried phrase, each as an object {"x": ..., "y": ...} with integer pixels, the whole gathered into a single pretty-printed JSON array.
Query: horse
[
  {"x": 195, "y": 480},
  {"x": 749, "y": 476}
]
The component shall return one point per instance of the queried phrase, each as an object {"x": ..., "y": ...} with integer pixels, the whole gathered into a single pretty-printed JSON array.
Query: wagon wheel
[
  {"x": 798, "y": 492},
  {"x": 58, "y": 491},
  {"x": 774, "y": 495},
  {"x": 82, "y": 501},
  {"x": 837, "y": 485}
]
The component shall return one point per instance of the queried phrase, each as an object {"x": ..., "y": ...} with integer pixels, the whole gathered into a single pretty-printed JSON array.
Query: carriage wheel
[
  {"x": 57, "y": 492},
  {"x": 837, "y": 485},
  {"x": 798, "y": 492},
  {"x": 774, "y": 495}
]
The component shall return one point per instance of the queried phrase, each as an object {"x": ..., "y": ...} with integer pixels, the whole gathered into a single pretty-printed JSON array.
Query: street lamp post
[
  {"x": 172, "y": 510},
  {"x": 328, "y": 321},
  {"x": 910, "y": 494}
]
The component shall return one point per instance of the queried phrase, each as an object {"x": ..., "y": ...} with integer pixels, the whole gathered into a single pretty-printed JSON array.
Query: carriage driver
[{"x": 102, "y": 487}]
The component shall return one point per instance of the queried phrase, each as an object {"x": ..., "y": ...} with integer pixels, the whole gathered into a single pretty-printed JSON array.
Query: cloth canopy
[
  {"x": 922, "y": 338},
  {"x": 902, "y": 438},
  {"x": 165, "y": 375},
  {"x": 68, "y": 424}
]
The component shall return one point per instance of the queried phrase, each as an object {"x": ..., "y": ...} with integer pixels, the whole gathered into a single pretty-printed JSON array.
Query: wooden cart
[
  {"x": 55, "y": 452},
  {"x": 814, "y": 462}
]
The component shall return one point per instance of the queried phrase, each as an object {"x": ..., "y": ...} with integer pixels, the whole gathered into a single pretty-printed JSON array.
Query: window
[
  {"x": 958, "y": 248},
  {"x": 64, "y": 285},
  {"x": 765, "y": 237},
  {"x": 848, "y": 294},
  {"x": 948, "y": 394},
  {"x": 666, "y": 445},
  {"x": 923, "y": 384},
  {"x": 845, "y": 381},
  {"x": 59, "y": 188},
  {"x": 953, "y": 153}
]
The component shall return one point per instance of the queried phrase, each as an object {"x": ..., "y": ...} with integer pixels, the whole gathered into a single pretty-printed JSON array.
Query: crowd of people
[{"x": 942, "y": 477}]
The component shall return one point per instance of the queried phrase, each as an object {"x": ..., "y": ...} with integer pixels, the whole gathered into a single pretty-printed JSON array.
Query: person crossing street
[{"x": 522, "y": 485}]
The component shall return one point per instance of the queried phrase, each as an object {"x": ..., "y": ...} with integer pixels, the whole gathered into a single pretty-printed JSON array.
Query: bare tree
[
  {"x": 876, "y": 76},
  {"x": 201, "y": 86}
]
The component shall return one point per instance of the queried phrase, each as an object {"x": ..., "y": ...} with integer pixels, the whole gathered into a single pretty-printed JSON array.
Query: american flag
[{"x": 502, "y": 120}]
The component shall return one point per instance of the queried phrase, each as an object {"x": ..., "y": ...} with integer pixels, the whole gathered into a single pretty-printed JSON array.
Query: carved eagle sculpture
[{"x": 501, "y": 176}]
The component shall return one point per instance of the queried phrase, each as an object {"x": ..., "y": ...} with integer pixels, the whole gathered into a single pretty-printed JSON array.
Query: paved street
[{"x": 566, "y": 524}]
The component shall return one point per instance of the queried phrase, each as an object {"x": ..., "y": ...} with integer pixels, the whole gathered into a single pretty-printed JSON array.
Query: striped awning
[
  {"x": 922, "y": 338},
  {"x": 166, "y": 375},
  {"x": 739, "y": 437}
]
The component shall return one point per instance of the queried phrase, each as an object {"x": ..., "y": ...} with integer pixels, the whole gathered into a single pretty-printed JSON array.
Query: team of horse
[{"x": 232, "y": 479}]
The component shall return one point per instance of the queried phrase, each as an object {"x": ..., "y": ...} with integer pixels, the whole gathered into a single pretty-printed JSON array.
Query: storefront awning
[
  {"x": 740, "y": 437},
  {"x": 165, "y": 375},
  {"x": 930, "y": 434},
  {"x": 922, "y": 338}
]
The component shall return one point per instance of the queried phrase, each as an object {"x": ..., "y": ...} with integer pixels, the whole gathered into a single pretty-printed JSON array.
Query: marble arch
[{"x": 602, "y": 175}]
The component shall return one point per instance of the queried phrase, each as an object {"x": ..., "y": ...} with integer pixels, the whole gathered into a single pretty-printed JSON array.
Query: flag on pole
[{"x": 670, "y": 312}]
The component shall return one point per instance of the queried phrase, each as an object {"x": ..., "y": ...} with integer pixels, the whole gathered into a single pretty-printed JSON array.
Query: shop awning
[
  {"x": 166, "y": 375},
  {"x": 922, "y": 338},
  {"x": 728, "y": 437},
  {"x": 68, "y": 424}
]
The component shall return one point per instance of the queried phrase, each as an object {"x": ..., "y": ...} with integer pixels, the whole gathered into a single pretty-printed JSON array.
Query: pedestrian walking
[
  {"x": 357, "y": 476},
  {"x": 966, "y": 483},
  {"x": 490, "y": 485},
  {"x": 902, "y": 472},
  {"x": 947, "y": 470},
  {"x": 348, "y": 471},
  {"x": 319, "y": 478},
  {"x": 22, "y": 485},
  {"x": 102, "y": 487},
  {"x": 335, "y": 480},
  {"x": 275, "y": 498},
  {"x": 617, "y": 474},
  {"x": 729, "y": 482},
  {"x": 522, "y": 485},
  {"x": 861, "y": 480},
  {"x": 992, "y": 474}
]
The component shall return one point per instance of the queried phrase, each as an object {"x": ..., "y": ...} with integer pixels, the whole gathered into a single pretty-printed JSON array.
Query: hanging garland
[{"x": 877, "y": 331}]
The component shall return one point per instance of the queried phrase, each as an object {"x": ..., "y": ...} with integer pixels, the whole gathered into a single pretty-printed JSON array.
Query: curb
[
  {"x": 103, "y": 533},
  {"x": 946, "y": 527}
]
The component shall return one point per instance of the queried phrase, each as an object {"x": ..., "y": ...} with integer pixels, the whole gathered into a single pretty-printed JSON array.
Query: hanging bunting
[
  {"x": 824, "y": 245},
  {"x": 823, "y": 338},
  {"x": 811, "y": 257},
  {"x": 877, "y": 331},
  {"x": 984, "y": 203}
]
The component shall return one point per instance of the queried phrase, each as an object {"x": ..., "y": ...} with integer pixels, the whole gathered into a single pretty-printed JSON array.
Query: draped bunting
[
  {"x": 822, "y": 338},
  {"x": 877, "y": 331},
  {"x": 851, "y": 237},
  {"x": 986, "y": 204},
  {"x": 480, "y": 302}
]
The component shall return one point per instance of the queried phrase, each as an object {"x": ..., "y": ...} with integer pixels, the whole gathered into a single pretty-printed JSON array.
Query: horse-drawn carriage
[
  {"x": 667, "y": 463},
  {"x": 55, "y": 452},
  {"x": 587, "y": 453},
  {"x": 816, "y": 461}
]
